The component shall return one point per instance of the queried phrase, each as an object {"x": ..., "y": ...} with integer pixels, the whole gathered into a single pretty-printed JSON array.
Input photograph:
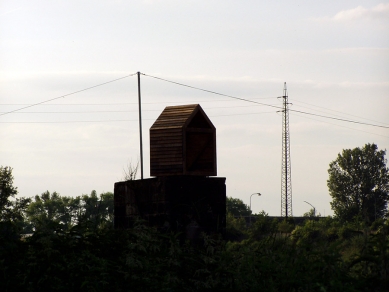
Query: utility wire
[
  {"x": 69, "y": 122},
  {"x": 124, "y": 103},
  {"x": 213, "y": 92},
  {"x": 102, "y": 121},
  {"x": 320, "y": 111},
  {"x": 62, "y": 96},
  {"x": 272, "y": 112},
  {"x": 339, "y": 119},
  {"x": 201, "y": 89},
  {"x": 127, "y": 111},
  {"x": 72, "y": 104},
  {"x": 334, "y": 111},
  {"x": 321, "y": 121},
  {"x": 84, "y": 112},
  {"x": 252, "y": 101},
  {"x": 213, "y": 116}
]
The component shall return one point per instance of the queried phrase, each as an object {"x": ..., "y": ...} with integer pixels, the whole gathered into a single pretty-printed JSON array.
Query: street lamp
[
  {"x": 250, "y": 203},
  {"x": 314, "y": 209}
]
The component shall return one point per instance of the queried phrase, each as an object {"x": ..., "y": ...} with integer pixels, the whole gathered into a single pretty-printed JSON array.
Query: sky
[{"x": 333, "y": 56}]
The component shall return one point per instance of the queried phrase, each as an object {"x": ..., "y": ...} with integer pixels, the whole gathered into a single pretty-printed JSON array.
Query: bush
[{"x": 235, "y": 227}]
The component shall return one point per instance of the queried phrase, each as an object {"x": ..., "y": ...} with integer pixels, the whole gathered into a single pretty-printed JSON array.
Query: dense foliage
[
  {"x": 359, "y": 184},
  {"x": 73, "y": 247},
  {"x": 48, "y": 209},
  {"x": 237, "y": 207},
  {"x": 11, "y": 208}
]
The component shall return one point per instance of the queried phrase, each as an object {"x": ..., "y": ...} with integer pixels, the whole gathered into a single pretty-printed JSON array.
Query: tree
[
  {"x": 237, "y": 207},
  {"x": 7, "y": 190},
  {"x": 131, "y": 171},
  {"x": 49, "y": 211},
  {"x": 106, "y": 209},
  {"x": 311, "y": 213},
  {"x": 359, "y": 183},
  {"x": 97, "y": 213},
  {"x": 11, "y": 208}
]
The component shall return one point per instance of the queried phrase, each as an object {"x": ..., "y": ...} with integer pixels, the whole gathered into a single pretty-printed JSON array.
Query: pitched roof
[{"x": 179, "y": 117}]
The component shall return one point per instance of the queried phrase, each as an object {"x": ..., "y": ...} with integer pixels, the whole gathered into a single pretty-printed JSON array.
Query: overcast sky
[{"x": 333, "y": 55}]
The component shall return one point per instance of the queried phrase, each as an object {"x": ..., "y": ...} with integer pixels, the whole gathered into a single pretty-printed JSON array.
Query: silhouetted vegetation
[
  {"x": 59, "y": 243},
  {"x": 359, "y": 184}
]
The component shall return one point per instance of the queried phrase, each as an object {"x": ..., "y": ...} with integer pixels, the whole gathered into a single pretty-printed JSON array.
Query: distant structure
[
  {"x": 182, "y": 196},
  {"x": 286, "y": 179}
]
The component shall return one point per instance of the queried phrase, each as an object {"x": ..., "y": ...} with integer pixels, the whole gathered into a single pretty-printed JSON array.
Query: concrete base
[{"x": 187, "y": 204}]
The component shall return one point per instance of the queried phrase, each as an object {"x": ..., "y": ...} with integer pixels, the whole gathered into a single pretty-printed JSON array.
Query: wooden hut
[
  {"x": 183, "y": 142},
  {"x": 182, "y": 197}
]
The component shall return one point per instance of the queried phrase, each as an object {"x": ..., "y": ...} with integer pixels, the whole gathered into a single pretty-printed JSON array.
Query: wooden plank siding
[{"x": 183, "y": 142}]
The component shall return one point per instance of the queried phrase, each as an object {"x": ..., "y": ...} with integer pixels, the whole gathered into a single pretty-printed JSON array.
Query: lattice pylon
[{"x": 286, "y": 179}]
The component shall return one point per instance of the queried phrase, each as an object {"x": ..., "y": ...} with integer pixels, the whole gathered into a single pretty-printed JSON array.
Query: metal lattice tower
[{"x": 286, "y": 179}]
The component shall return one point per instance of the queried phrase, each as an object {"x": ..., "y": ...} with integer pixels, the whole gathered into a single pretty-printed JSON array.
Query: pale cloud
[
  {"x": 359, "y": 13},
  {"x": 381, "y": 11}
]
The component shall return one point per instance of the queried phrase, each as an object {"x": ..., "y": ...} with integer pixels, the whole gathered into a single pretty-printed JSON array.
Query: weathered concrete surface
[{"x": 188, "y": 204}]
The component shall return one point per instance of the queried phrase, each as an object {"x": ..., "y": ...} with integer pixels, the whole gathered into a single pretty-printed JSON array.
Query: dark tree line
[
  {"x": 50, "y": 211},
  {"x": 67, "y": 212},
  {"x": 71, "y": 245}
]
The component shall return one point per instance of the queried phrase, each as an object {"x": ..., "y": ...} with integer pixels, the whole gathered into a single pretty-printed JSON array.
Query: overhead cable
[
  {"x": 62, "y": 96},
  {"x": 126, "y": 111},
  {"x": 328, "y": 109},
  {"x": 201, "y": 89},
  {"x": 339, "y": 119},
  {"x": 252, "y": 101},
  {"x": 102, "y": 121},
  {"x": 213, "y": 92},
  {"x": 305, "y": 117}
]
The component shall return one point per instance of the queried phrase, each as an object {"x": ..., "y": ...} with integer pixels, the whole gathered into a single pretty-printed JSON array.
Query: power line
[
  {"x": 242, "y": 114},
  {"x": 339, "y": 119},
  {"x": 62, "y": 96},
  {"x": 193, "y": 87},
  {"x": 70, "y": 104},
  {"x": 213, "y": 116},
  {"x": 102, "y": 121},
  {"x": 213, "y": 92},
  {"x": 82, "y": 112},
  {"x": 252, "y": 101},
  {"x": 316, "y": 110},
  {"x": 68, "y": 122},
  {"x": 125, "y": 111},
  {"x": 121, "y": 103},
  {"x": 321, "y": 121},
  {"x": 335, "y": 111}
]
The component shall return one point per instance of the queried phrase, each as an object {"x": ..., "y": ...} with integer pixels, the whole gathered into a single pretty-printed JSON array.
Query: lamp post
[
  {"x": 314, "y": 209},
  {"x": 250, "y": 203}
]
